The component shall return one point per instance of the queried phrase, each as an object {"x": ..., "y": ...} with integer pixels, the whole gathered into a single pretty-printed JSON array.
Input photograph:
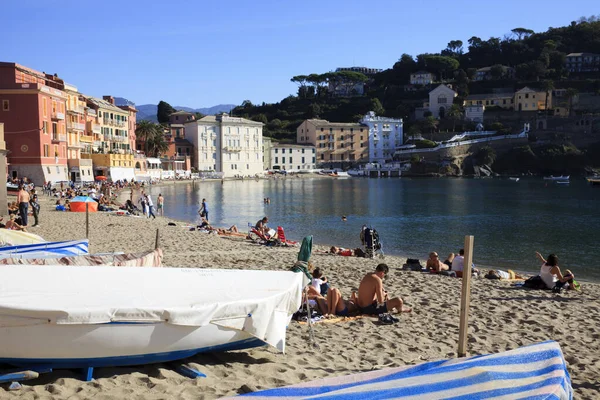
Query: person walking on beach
[
  {"x": 143, "y": 203},
  {"x": 204, "y": 210},
  {"x": 150, "y": 207},
  {"x": 23, "y": 200},
  {"x": 160, "y": 204},
  {"x": 372, "y": 299}
]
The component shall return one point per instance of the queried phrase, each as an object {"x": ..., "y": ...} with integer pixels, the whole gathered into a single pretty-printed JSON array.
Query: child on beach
[{"x": 319, "y": 282}]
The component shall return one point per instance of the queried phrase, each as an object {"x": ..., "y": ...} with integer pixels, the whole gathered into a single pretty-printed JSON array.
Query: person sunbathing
[
  {"x": 12, "y": 225},
  {"x": 434, "y": 265},
  {"x": 372, "y": 299},
  {"x": 499, "y": 274},
  {"x": 341, "y": 251},
  {"x": 336, "y": 305}
]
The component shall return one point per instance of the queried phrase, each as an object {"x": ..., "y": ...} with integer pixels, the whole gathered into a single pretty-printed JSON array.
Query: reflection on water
[{"x": 510, "y": 220}]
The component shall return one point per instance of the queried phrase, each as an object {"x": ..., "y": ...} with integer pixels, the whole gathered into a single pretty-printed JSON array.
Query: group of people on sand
[
  {"x": 18, "y": 211},
  {"x": 371, "y": 298}
]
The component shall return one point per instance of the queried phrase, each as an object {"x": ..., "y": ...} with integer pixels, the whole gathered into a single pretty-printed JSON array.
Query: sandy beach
[{"x": 502, "y": 318}]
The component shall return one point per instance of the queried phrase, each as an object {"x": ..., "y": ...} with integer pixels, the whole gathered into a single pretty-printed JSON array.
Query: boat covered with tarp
[
  {"x": 150, "y": 258},
  {"x": 83, "y": 317},
  {"x": 532, "y": 372}
]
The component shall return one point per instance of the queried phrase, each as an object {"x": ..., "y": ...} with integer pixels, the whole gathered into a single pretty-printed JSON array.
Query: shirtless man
[
  {"x": 372, "y": 299},
  {"x": 23, "y": 200}
]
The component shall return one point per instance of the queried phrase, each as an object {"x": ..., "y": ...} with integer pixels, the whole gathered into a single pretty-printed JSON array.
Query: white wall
[
  {"x": 385, "y": 134},
  {"x": 296, "y": 157}
]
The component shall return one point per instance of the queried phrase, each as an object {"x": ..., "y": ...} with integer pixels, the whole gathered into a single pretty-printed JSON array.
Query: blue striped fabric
[
  {"x": 531, "y": 372},
  {"x": 46, "y": 249}
]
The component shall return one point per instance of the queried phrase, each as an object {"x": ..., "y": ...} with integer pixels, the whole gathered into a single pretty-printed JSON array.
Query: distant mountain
[{"x": 148, "y": 111}]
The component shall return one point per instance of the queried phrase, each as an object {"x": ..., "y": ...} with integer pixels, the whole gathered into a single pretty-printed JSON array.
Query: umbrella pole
[{"x": 311, "y": 333}]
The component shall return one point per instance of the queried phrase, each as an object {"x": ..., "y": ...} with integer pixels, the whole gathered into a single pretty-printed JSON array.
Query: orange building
[{"x": 32, "y": 108}]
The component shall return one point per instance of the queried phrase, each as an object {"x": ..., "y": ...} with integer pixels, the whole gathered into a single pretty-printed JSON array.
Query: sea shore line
[{"x": 502, "y": 317}]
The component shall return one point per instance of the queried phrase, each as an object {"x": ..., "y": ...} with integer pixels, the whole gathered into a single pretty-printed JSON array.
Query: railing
[
  {"x": 232, "y": 148},
  {"x": 58, "y": 115},
  {"x": 97, "y": 129},
  {"x": 77, "y": 110},
  {"x": 75, "y": 125},
  {"x": 86, "y": 138},
  {"x": 59, "y": 137}
]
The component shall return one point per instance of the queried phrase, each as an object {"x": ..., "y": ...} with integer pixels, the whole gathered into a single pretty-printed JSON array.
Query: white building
[
  {"x": 422, "y": 78},
  {"x": 292, "y": 157},
  {"x": 474, "y": 113},
  {"x": 440, "y": 100},
  {"x": 230, "y": 145},
  {"x": 385, "y": 134}
]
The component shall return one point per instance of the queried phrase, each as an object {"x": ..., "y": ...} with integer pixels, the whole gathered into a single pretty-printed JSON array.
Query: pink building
[
  {"x": 32, "y": 108},
  {"x": 131, "y": 123}
]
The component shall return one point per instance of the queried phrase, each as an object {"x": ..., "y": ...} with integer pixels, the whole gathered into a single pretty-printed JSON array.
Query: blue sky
[{"x": 199, "y": 54}]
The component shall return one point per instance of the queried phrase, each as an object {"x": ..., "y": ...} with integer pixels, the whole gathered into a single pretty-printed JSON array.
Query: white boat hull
[{"x": 114, "y": 344}]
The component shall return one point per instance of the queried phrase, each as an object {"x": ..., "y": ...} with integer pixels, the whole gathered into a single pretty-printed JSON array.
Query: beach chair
[{"x": 255, "y": 235}]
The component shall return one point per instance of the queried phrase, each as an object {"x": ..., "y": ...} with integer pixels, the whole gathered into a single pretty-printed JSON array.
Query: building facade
[
  {"x": 440, "y": 100},
  {"x": 267, "y": 144},
  {"x": 385, "y": 135},
  {"x": 226, "y": 144},
  {"x": 79, "y": 139},
  {"x": 474, "y": 113},
  {"x": 503, "y": 100},
  {"x": 33, "y": 110},
  {"x": 582, "y": 62},
  {"x": 422, "y": 78},
  {"x": 292, "y": 157},
  {"x": 485, "y": 73},
  {"x": 528, "y": 99},
  {"x": 337, "y": 145}
]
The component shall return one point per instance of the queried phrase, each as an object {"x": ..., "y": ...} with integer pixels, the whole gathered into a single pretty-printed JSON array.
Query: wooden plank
[{"x": 465, "y": 297}]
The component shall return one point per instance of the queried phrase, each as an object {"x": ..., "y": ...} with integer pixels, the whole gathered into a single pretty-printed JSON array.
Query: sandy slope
[{"x": 502, "y": 318}]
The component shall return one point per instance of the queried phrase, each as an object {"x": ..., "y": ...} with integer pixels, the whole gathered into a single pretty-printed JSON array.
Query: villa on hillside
[
  {"x": 582, "y": 62},
  {"x": 422, "y": 78},
  {"x": 485, "y": 73}
]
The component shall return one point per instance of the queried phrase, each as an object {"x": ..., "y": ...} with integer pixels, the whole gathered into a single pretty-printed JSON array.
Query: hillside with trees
[{"x": 538, "y": 59}]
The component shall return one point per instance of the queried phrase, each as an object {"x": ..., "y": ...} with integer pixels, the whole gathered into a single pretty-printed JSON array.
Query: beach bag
[{"x": 358, "y": 252}]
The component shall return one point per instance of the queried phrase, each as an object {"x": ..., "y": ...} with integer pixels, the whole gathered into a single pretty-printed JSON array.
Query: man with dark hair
[{"x": 372, "y": 299}]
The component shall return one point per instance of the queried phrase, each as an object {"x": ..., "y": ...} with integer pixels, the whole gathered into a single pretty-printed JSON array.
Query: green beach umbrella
[{"x": 305, "y": 249}]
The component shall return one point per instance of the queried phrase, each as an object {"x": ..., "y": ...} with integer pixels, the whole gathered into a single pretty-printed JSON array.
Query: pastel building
[
  {"x": 78, "y": 138},
  {"x": 385, "y": 134},
  {"x": 337, "y": 145},
  {"x": 440, "y": 100},
  {"x": 33, "y": 110},
  {"x": 267, "y": 144},
  {"x": 293, "y": 157},
  {"x": 230, "y": 145},
  {"x": 528, "y": 99}
]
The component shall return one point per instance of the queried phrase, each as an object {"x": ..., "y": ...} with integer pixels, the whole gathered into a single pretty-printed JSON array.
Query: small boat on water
[
  {"x": 85, "y": 317},
  {"x": 514, "y": 179},
  {"x": 595, "y": 181},
  {"x": 557, "y": 178},
  {"x": 562, "y": 182},
  {"x": 339, "y": 174}
]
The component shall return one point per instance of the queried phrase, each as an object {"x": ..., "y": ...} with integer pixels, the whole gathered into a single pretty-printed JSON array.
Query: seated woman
[
  {"x": 434, "y": 265},
  {"x": 13, "y": 225},
  {"x": 334, "y": 304},
  {"x": 13, "y": 208},
  {"x": 551, "y": 275},
  {"x": 67, "y": 205}
]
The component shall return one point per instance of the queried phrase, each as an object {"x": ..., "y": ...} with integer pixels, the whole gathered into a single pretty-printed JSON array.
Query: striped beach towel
[
  {"x": 46, "y": 249},
  {"x": 531, "y": 372}
]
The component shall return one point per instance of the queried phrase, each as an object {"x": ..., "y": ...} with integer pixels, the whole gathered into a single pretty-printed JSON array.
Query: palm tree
[
  {"x": 157, "y": 143},
  {"x": 144, "y": 131},
  {"x": 548, "y": 86},
  {"x": 454, "y": 113},
  {"x": 571, "y": 92}
]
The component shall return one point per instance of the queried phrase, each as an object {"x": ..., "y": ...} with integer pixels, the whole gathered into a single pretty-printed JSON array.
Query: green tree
[
  {"x": 442, "y": 65},
  {"x": 522, "y": 33},
  {"x": 455, "y": 114},
  {"x": 548, "y": 86},
  {"x": 430, "y": 124},
  {"x": 571, "y": 93},
  {"x": 377, "y": 107},
  {"x": 157, "y": 145},
  {"x": 497, "y": 71},
  {"x": 163, "y": 112},
  {"x": 144, "y": 130}
]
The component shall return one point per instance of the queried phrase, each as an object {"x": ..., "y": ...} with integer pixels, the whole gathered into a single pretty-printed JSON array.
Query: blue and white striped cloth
[
  {"x": 46, "y": 249},
  {"x": 531, "y": 372}
]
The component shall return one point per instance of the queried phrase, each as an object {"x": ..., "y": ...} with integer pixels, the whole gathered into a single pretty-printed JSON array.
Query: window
[
  {"x": 291, "y": 162},
  {"x": 526, "y": 95},
  {"x": 442, "y": 99},
  {"x": 283, "y": 160},
  {"x": 46, "y": 151},
  {"x": 276, "y": 151},
  {"x": 5, "y": 105},
  {"x": 302, "y": 160},
  {"x": 322, "y": 129},
  {"x": 276, "y": 160},
  {"x": 342, "y": 137},
  {"x": 331, "y": 156},
  {"x": 54, "y": 128},
  {"x": 45, "y": 127},
  {"x": 302, "y": 151},
  {"x": 314, "y": 160},
  {"x": 322, "y": 156},
  {"x": 282, "y": 151},
  {"x": 45, "y": 106}
]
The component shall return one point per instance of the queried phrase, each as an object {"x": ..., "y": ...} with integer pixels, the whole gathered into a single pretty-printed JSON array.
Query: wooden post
[
  {"x": 156, "y": 242},
  {"x": 87, "y": 220},
  {"x": 465, "y": 297}
]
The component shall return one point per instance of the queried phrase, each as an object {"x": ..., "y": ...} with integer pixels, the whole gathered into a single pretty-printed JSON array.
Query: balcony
[
  {"x": 76, "y": 110},
  {"x": 86, "y": 138},
  {"x": 59, "y": 137},
  {"x": 96, "y": 129},
  {"x": 58, "y": 115},
  {"x": 75, "y": 125},
  {"x": 120, "y": 124},
  {"x": 232, "y": 149},
  {"x": 97, "y": 144},
  {"x": 386, "y": 128},
  {"x": 91, "y": 112}
]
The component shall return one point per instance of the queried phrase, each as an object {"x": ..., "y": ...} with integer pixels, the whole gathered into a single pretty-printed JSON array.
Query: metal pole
[
  {"x": 156, "y": 242},
  {"x": 465, "y": 297},
  {"x": 87, "y": 220}
]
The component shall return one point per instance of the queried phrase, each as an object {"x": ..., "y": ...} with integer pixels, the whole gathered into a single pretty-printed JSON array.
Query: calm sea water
[{"x": 510, "y": 220}]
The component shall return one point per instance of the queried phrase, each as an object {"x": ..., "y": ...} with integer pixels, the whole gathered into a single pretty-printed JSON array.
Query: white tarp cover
[
  {"x": 120, "y": 173},
  {"x": 258, "y": 302}
]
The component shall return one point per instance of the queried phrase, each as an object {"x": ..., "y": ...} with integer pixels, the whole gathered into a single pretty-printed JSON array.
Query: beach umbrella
[
  {"x": 101, "y": 178},
  {"x": 305, "y": 249},
  {"x": 78, "y": 204}
]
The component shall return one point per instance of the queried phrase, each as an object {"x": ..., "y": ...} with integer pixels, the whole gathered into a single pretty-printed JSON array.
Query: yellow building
[
  {"x": 502, "y": 100},
  {"x": 77, "y": 136},
  {"x": 528, "y": 99}
]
